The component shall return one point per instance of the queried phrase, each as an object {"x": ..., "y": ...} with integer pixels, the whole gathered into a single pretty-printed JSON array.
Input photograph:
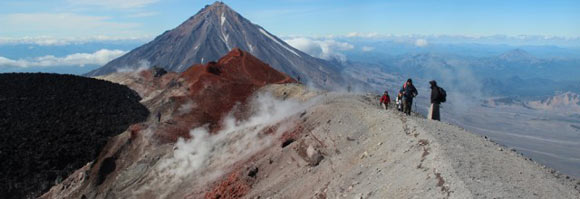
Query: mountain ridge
[
  {"x": 339, "y": 145},
  {"x": 564, "y": 102},
  {"x": 518, "y": 55}
]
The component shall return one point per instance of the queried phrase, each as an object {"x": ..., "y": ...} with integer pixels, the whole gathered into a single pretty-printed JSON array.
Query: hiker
[
  {"x": 438, "y": 96},
  {"x": 158, "y": 116},
  {"x": 409, "y": 92},
  {"x": 385, "y": 100},
  {"x": 399, "y": 100}
]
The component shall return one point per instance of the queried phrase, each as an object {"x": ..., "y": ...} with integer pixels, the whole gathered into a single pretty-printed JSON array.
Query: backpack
[{"x": 442, "y": 95}]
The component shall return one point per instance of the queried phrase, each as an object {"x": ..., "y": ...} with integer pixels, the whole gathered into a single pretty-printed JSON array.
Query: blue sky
[
  {"x": 77, "y": 35},
  {"x": 148, "y": 18}
]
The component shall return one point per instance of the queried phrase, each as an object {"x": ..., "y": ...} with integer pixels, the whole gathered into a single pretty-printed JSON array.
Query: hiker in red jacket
[{"x": 385, "y": 100}]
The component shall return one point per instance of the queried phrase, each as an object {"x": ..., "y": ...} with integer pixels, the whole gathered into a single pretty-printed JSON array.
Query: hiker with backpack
[
  {"x": 399, "y": 101},
  {"x": 438, "y": 96},
  {"x": 409, "y": 92},
  {"x": 385, "y": 100}
]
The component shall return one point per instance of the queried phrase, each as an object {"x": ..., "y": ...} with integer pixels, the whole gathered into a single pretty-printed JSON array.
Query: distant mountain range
[
  {"x": 565, "y": 102},
  {"x": 214, "y": 31},
  {"x": 515, "y": 62},
  {"x": 517, "y": 55},
  {"x": 512, "y": 73}
]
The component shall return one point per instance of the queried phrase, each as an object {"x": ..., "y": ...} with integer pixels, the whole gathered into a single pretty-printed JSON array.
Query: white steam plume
[
  {"x": 206, "y": 156},
  {"x": 141, "y": 66}
]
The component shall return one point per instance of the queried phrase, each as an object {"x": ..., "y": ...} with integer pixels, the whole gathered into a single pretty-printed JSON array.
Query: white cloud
[
  {"x": 118, "y": 4},
  {"x": 363, "y": 35},
  {"x": 421, "y": 43},
  {"x": 367, "y": 48},
  {"x": 325, "y": 49},
  {"x": 54, "y": 41},
  {"x": 100, "y": 57},
  {"x": 423, "y": 40},
  {"x": 63, "y": 25}
]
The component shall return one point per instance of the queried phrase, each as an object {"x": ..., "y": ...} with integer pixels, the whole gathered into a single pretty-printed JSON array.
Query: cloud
[
  {"x": 117, "y": 4},
  {"x": 63, "y": 25},
  {"x": 54, "y": 41},
  {"x": 367, "y": 48},
  {"x": 448, "y": 38},
  {"x": 363, "y": 35},
  {"x": 100, "y": 57},
  {"x": 421, "y": 43},
  {"x": 325, "y": 49}
]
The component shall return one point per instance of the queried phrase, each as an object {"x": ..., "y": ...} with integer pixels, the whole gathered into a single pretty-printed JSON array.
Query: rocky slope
[
  {"x": 373, "y": 153},
  {"x": 214, "y": 31},
  {"x": 203, "y": 96},
  {"x": 255, "y": 134},
  {"x": 52, "y": 125}
]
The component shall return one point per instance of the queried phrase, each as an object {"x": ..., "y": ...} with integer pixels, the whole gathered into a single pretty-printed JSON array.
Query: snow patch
[
  {"x": 274, "y": 39},
  {"x": 225, "y": 38},
  {"x": 250, "y": 47}
]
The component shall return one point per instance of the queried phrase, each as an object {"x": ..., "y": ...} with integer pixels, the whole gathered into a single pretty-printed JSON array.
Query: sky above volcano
[{"x": 119, "y": 19}]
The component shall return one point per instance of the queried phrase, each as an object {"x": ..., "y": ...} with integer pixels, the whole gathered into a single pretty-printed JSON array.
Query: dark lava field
[{"x": 51, "y": 125}]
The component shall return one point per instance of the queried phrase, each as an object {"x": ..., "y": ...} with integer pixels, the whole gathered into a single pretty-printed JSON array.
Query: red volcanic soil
[
  {"x": 202, "y": 95},
  {"x": 236, "y": 185},
  {"x": 216, "y": 88}
]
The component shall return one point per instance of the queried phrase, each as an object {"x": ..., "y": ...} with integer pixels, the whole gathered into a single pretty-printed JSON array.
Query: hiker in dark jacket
[
  {"x": 435, "y": 101},
  {"x": 409, "y": 92}
]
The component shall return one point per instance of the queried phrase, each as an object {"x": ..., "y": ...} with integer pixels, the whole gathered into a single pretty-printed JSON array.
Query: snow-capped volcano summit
[{"x": 214, "y": 31}]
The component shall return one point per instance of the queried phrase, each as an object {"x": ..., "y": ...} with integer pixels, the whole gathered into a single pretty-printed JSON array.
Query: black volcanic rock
[
  {"x": 212, "y": 33},
  {"x": 51, "y": 125}
]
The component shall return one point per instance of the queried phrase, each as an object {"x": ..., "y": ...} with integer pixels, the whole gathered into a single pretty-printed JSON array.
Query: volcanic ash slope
[
  {"x": 351, "y": 148},
  {"x": 294, "y": 143}
]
